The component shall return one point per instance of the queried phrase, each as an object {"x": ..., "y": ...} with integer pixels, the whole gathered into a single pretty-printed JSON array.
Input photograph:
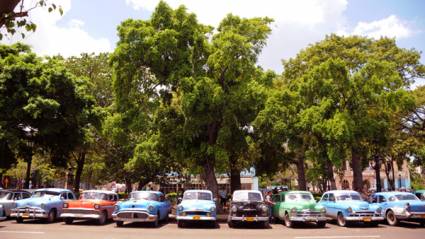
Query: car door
[
  {"x": 324, "y": 202},
  {"x": 383, "y": 202},
  {"x": 332, "y": 205}
]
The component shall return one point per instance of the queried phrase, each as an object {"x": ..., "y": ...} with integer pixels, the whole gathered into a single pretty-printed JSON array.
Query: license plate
[
  {"x": 26, "y": 214},
  {"x": 249, "y": 219},
  {"x": 367, "y": 219},
  {"x": 196, "y": 217}
]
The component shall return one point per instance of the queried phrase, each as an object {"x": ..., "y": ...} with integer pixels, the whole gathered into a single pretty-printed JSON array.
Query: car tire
[
  {"x": 102, "y": 219},
  {"x": 288, "y": 223},
  {"x": 68, "y": 220},
  {"x": 321, "y": 224},
  {"x": 231, "y": 224},
  {"x": 340, "y": 220},
  {"x": 119, "y": 223},
  {"x": 19, "y": 220},
  {"x": 266, "y": 224},
  {"x": 180, "y": 224},
  {"x": 51, "y": 217},
  {"x": 391, "y": 218}
]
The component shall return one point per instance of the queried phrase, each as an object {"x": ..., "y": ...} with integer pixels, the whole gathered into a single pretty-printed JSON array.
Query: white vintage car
[{"x": 8, "y": 199}]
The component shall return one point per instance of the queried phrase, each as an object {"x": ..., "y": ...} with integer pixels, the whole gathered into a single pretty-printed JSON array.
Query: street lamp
[{"x": 29, "y": 143}]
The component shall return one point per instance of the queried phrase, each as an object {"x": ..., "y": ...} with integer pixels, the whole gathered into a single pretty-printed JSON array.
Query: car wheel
[
  {"x": 180, "y": 224},
  {"x": 341, "y": 220},
  {"x": 119, "y": 223},
  {"x": 391, "y": 218},
  {"x": 19, "y": 220},
  {"x": 51, "y": 217},
  {"x": 102, "y": 219},
  {"x": 287, "y": 221},
  {"x": 266, "y": 224},
  {"x": 69, "y": 220},
  {"x": 321, "y": 224}
]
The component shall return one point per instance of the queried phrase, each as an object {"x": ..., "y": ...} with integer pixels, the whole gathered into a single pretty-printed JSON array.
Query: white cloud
[
  {"x": 391, "y": 26},
  {"x": 50, "y": 38},
  {"x": 297, "y": 23}
]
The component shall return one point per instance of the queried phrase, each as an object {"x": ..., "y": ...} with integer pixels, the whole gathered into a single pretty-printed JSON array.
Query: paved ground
[{"x": 87, "y": 230}]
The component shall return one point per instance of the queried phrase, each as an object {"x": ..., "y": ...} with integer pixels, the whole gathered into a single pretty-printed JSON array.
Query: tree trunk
[
  {"x": 378, "y": 173},
  {"x": 356, "y": 164},
  {"x": 302, "y": 184},
  {"x": 235, "y": 177},
  {"x": 28, "y": 173},
  {"x": 128, "y": 187},
  {"x": 330, "y": 175},
  {"x": 80, "y": 166},
  {"x": 210, "y": 180}
]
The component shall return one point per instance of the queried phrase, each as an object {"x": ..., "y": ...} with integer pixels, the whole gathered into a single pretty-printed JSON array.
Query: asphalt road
[{"x": 87, "y": 230}]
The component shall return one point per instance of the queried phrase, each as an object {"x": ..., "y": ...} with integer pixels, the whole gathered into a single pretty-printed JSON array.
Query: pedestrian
[{"x": 269, "y": 202}]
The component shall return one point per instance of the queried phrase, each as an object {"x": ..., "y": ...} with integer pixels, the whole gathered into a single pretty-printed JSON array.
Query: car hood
[
  {"x": 197, "y": 204},
  {"x": 143, "y": 204},
  {"x": 356, "y": 205},
  {"x": 36, "y": 202},
  {"x": 300, "y": 205}
]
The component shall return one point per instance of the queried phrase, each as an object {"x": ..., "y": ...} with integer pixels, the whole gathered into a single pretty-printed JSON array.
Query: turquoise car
[
  {"x": 46, "y": 204},
  {"x": 400, "y": 206},
  {"x": 347, "y": 206},
  {"x": 196, "y": 205},
  {"x": 143, "y": 206}
]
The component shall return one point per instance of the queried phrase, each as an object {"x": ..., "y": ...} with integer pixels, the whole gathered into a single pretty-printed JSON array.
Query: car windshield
[
  {"x": 241, "y": 196},
  {"x": 197, "y": 196},
  {"x": 95, "y": 195},
  {"x": 404, "y": 197},
  {"x": 5, "y": 195},
  {"x": 298, "y": 197},
  {"x": 38, "y": 194},
  {"x": 349, "y": 196},
  {"x": 145, "y": 196}
]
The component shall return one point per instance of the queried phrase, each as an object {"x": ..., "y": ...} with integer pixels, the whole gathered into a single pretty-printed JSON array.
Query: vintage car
[
  {"x": 298, "y": 206},
  {"x": 143, "y": 206},
  {"x": 348, "y": 206},
  {"x": 93, "y": 204},
  {"x": 248, "y": 206},
  {"x": 420, "y": 194},
  {"x": 196, "y": 205},
  {"x": 44, "y": 204},
  {"x": 2, "y": 214},
  {"x": 400, "y": 206},
  {"x": 8, "y": 199}
]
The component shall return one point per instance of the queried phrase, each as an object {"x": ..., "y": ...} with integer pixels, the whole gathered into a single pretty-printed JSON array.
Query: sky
[{"x": 90, "y": 25}]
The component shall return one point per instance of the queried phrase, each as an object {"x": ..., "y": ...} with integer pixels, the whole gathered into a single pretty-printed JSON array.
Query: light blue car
[
  {"x": 400, "y": 206},
  {"x": 348, "y": 206},
  {"x": 143, "y": 206},
  {"x": 44, "y": 204},
  {"x": 196, "y": 205}
]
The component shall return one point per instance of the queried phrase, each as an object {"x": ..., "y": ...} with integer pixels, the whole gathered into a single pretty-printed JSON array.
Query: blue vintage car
[
  {"x": 196, "y": 205},
  {"x": 45, "y": 204},
  {"x": 400, "y": 206},
  {"x": 143, "y": 206},
  {"x": 348, "y": 206}
]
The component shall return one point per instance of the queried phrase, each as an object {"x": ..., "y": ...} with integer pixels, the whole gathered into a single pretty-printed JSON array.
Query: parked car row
[{"x": 247, "y": 206}]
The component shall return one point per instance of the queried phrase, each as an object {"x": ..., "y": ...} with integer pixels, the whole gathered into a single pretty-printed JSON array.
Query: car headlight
[
  {"x": 117, "y": 208},
  {"x": 378, "y": 210},
  {"x": 212, "y": 209},
  {"x": 180, "y": 208},
  {"x": 151, "y": 208},
  {"x": 350, "y": 210},
  {"x": 265, "y": 208},
  {"x": 65, "y": 205},
  {"x": 234, "y": 208},
  {"x": 42, "y": 206},
  {"x": 96, "y": 206}
]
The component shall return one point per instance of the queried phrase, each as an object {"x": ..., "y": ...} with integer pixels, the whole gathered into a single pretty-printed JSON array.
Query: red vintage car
[{"x": 93, "y": 204}]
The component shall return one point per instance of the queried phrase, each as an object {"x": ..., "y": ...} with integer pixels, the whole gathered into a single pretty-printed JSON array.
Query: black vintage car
[{"x": 248, "y": 206}]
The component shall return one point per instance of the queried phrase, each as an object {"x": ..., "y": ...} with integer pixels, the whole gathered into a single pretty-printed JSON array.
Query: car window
[
  {"x": 374, "y": 199},
  {"x": 391, "y": 199},
  {"x": 325, "y": 197},
  {"x": 298, "y": 197},
  {"x": 145, "y": 196},
  {"x": 405, "y": 197},
  {"x": 17, "y": 196},
  {"x": 244, "y": 196},
  {"x": 26, "y": 195},
  {"x": 331, "y": 197},
  {"x": 349, "y": 196},
  {"x": 71, "y": 196},
  {"x": 193, "y": 195},
  {"x": 46, "y": 193},
  {"x": 64, "y": 196},
  {"x": 382, "y": 198},
  {"x": 95, "y": 195}
]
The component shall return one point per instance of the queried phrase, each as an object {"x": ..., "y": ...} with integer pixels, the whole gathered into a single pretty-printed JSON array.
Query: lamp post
[
  {"x": 29, "y": 145},
  {"x": 399, "y": 180}
]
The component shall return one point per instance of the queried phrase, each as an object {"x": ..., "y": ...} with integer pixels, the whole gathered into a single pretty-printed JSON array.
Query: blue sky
[{"x": 90, "y": 25}]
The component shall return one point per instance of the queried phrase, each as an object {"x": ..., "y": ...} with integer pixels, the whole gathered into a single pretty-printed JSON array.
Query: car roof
[
  {"x": 99, "y": 191},
  {"x": 198, "y": 190},
  {"x": 59, "y": 190},
  {"x": 253, "y": 191},
  {"x": 392, "y": 193},
  {"x": 337, "y": 192},
  {"x": 14, "y": 191},
  {"x": 149, "y": 191}
]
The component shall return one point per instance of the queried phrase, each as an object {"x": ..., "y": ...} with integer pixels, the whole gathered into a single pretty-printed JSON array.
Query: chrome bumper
[
  {"x": 365, "y": 219},
  {"x": 411, "y": 215},
  {"x": 29, "y": 213},
  {"x": 195, "y": 218},
  {"x": 308, "y": 218},
  {"x": 131, "y": 216},
  {"x": 249, "y": 219}
]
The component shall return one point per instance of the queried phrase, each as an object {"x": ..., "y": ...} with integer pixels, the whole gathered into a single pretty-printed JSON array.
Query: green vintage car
[{"x": 298, "y": 206}]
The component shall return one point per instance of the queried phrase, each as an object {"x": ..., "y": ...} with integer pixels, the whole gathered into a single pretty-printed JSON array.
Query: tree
[
  {"x": 41, "y": 106},
  {"x": 350, "y": 87},
  {"x": 12, "y": 18}
]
